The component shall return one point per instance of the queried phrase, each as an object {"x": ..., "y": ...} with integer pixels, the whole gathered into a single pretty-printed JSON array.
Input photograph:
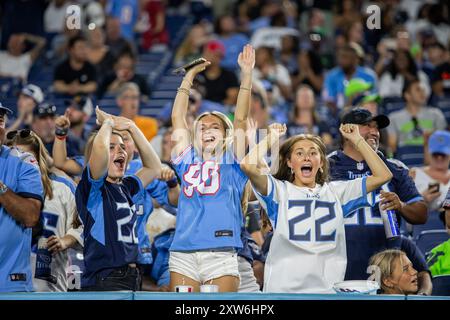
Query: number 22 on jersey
[{"x": 203, "y": 178}]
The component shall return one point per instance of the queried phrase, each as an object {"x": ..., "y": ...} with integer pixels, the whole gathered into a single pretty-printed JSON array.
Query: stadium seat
[
  {"x": 412, "y": 156},
  {"x": 433, "y": 223},
  {"x": 391, "y": 104},
  {"x": 441, "y": 285},
  {"x": 429, "y": 239}
]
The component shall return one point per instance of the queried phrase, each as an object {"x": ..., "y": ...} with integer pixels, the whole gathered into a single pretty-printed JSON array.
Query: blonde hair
[
  {"x": 227, "y": 125},
  {"x": 38, "y": 148},
  {"x": 385, "y": 261},
  {"x": 285, "y": 173}
]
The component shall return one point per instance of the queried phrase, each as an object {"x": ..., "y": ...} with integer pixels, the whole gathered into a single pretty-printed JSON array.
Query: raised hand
[
  {"x": 101, "y": 115},
  {"x": 246, "y": 59},
  {"x": 277, "y": 129},
  {"x": 63, "y": 121},
  {"x": 197, "y": 69},
  {"x": 250, "y": 133},
  {"x": 350, "y": 132},
  {"x": 167, "y": 173}
]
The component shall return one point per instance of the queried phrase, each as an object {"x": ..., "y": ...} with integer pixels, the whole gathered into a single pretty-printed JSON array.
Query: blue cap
[
  {"x": 5, "y": 110},
  {"x": 439, "y": 142}
]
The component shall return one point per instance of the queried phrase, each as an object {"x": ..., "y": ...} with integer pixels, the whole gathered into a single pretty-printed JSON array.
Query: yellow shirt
[{"x": 148, "y": 126}]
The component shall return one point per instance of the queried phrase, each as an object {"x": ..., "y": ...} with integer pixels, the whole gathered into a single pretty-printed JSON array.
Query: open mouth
[
  {"x": 306, "y": 170},
  {"x": 414, "y": 281},
  {"x": 119, "y": 162},
  {"x": 209, "y": 139}
]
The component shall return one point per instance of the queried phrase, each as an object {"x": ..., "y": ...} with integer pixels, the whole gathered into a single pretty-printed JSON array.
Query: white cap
[{"x": 34, "y": 92}]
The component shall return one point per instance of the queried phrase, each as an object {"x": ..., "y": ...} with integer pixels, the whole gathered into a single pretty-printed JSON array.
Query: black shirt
[
  {"x": 216, "y": 89},
  {"x": 442, "y": 73},
  {"x": 66, "y": 73}
]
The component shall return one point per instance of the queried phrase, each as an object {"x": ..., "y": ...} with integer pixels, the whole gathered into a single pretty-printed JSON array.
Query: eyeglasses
[
  {"x": 25, "y": 133},
  {"x": 417, "y": 132}
]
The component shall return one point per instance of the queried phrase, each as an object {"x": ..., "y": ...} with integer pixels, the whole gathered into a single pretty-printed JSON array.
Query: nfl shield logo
[{"x": 360, "y": 166}]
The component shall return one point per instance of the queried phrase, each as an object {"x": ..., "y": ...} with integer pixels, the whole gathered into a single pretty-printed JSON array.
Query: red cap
[{"x": 215, "y": 46}]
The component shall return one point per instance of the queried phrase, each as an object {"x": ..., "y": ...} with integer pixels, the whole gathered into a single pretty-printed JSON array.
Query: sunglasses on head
[{"x": 25, "y": 133}]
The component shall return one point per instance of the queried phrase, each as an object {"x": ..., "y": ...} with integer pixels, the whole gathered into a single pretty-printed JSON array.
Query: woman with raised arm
[
  {"x": 307, "y": 253},
  {"x": 209, "y": 215},
  {"x": 104, "y": 199}
]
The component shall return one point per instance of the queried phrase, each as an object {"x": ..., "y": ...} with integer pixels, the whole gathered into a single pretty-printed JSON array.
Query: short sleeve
[
  {"x": 29, "y": 182},
  {"x": 446, "y": 204},
  {"x": 158, "y": 190},
  {"x": 271, "y": 201},
  {"x": 441, "y": 123},
  {"x": 352, "y": 194},
  {"x": 183, "y": 160},
  {"x": 405, "y": 187}
]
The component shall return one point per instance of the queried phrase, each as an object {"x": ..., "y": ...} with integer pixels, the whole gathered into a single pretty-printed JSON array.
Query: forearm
[
  {"x": 23, "y": 210},
  {"x": 88, "y": 87},
  {"x": 181, "y": 103},
  {"x": 16, "y": 124},
  {"x": 173, "y": 195},
  {"x": 316, "y": 81},
  {"x": 380, "y": 172},
  {"x": 59, "y": 153},
  {"x": 150, "y": 159},
  {"x": 99, "y": 160},
  {"x": 243, "y": 99},
  {"x": 425, "y": 284},
  {"x": 61, "y": 86},
  {"x": 415, "y": 213}
]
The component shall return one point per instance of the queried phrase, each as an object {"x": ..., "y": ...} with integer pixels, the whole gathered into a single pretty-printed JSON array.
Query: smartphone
[
  {"x": 433, "y": 187},
  {"x": 188, "y": 66}
]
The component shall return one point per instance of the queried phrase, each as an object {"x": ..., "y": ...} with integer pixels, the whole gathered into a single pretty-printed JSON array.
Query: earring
[
  {"x": 292, "y": 171},
  {"x": 321, "y": 170}
]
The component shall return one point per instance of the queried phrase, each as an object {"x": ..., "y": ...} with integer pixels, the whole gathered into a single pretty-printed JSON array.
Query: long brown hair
[
  {"x": 41, "y": 154},
  {"x": 285, "y": 173}
]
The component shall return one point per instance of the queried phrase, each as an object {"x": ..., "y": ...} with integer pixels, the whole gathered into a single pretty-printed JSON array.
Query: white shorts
[
  {"x": 248, "y": 279},
  {"x": 203, "y": 266}
]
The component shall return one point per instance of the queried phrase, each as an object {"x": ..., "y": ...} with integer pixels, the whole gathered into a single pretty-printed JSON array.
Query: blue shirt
[
  {"x": 19, "y": 172},
  {"x": 127, "y": 12},
  {"x": 160, "y": 251},
  {"x": 209, "y": 208},
  {"x": 158, "y": 190},
  {"x": 109, "y": 217},
  {"x": 233, "y": 46},
  {"x": 336, "y": 81},
  {"x": 364, "y": 229}
]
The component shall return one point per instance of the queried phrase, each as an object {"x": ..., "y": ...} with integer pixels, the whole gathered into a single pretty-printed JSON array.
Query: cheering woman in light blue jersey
[{"x": 209, "y": 215}]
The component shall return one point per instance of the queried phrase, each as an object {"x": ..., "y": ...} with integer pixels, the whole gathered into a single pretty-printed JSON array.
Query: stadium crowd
[{"x": 270, "y": 168}]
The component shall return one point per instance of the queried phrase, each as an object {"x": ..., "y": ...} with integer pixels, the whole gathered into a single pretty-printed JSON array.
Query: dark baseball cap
[
  {"x": 363, "y": 116},
  {"x": 45, "y": 110},
  {"x": 5, "y": 110}
]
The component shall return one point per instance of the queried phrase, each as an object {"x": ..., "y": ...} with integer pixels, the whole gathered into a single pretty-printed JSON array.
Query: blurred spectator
[
  {"x": 21, "y": 17},
  {"x": 267, "y": 68},
  {"x": 216, "y": 83},
  {"x": 75, "y": 75},
  {"x": 30, "y": 96},
  {"x": 438, "y": 16},
  {"x": 288, "y": 53},
  {"x": 396, "y": 272},
  {"x": 55, "y": 16},
  {"x": 226, "y": 30},
  {"x": 337, "y": 78},
  {"x": 57, "y": 216},
  {"x": 409, "y": 125},
  {"x": 191, "y": 48},
  {"x": 60, "y": 42},
  {"x": 21, "y": 200},
  {"x": 78, "y": 112},
  {"x": 439, "y": 258},
  {"x": 402, "y": 68},
  {"x": 15, "y": 62},
  {"x": 437, "y": 172},
  {"x": 347, "y": 11},
  {"x": 354, "y": 32},
  {"x": 128, "y": 97},
  {"x": 126, "y": 12},
  {"x": 44, "y": 126},
  {"x": 309, "y": 71},
  {"x": 98, "y": 53},
  {"x": 124, "y": 71},
  {"x": 259, "y": 110},
  {"x": 117, "y": 44},
  {"x": 440, "y": 80},
  {"x": 304, "y": 118},
  {"x": 156, "y": 37}
]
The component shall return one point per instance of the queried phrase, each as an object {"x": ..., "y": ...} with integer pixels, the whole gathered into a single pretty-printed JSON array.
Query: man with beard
[
  {"x": 338, "y": 78},
  {"x": 75, "y": 75},
  {"x": 364, "y": 229},
  {"x": 79, "y": 111},
  {"x": 21, "y": 197}
]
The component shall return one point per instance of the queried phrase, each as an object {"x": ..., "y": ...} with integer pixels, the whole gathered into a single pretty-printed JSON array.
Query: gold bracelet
[
  {"x": 184, "y": 90},
  {"x": 244, "y": 88},
  {"x": 357, "y": 144},
  {"x": 184, "y": 79}
]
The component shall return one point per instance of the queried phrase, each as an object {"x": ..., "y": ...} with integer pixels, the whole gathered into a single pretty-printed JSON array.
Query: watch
[{"x": 3, "y": 188}]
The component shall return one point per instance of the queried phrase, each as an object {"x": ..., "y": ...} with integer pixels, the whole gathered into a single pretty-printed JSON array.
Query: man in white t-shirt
[{"x": 14, "y": 62}]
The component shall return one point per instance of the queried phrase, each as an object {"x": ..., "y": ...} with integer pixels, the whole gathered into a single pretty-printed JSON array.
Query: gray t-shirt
[{"x": 409, "y": 130}]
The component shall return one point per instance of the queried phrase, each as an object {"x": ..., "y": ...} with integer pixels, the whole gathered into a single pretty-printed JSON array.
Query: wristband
[
  {"x": 172, "y": 183},
  {"x": 61, "y": 132},
  {"x": 184, "y": 90},
  {"x": 244, "y": 88},
  {"x": 61, "y": 137}
]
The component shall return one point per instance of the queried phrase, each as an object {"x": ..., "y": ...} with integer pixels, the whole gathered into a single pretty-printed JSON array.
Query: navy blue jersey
[
  {"x": 19, "y": 172},
  {"x": 364, "y": 230},
  {"x": 109, "y": 218},
  {"x": 160, "y": 251},
  {"x": 412, "y": 252},
  {"x": 246, "y": 251}
]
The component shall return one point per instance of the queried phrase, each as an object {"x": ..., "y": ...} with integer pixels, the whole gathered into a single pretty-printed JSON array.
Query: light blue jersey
[
  {"x": 19, "y": 172},
  {"x": 209, "y": 209},
  {"x": 158, "y": 190}
]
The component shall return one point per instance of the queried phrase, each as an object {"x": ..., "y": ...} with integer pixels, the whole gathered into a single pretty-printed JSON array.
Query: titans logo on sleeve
[
  {"x": 364, "y": 230},
  {"x": 109, "y": 218}
]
